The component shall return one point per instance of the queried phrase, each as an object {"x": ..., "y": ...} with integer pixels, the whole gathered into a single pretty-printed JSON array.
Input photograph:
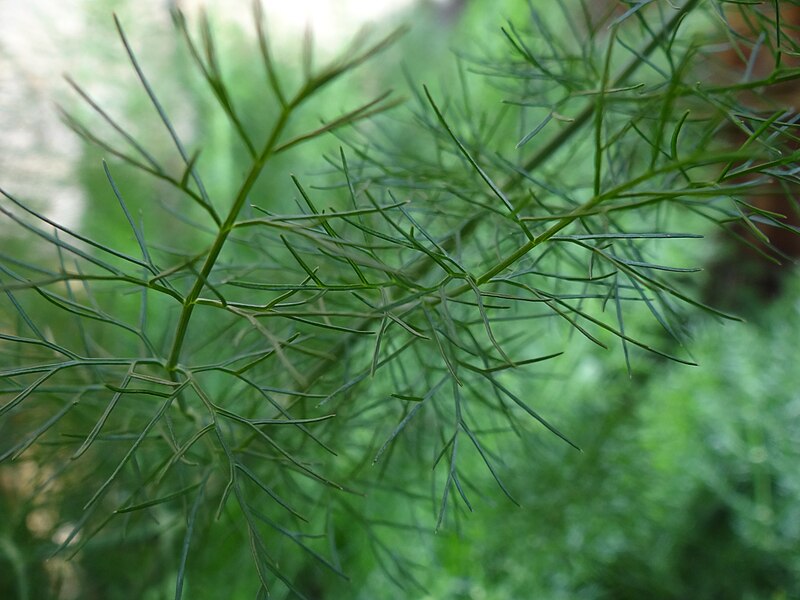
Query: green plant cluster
[{"x": 297, "y": 372}]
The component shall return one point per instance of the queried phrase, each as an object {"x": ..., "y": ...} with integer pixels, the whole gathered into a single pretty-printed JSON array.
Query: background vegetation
[{"x": 315, "y": 340}]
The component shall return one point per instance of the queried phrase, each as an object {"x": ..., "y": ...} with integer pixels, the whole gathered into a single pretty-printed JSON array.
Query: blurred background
[
  {"x": 45, "y": 39},
  {"x": 688, "y": 485}
]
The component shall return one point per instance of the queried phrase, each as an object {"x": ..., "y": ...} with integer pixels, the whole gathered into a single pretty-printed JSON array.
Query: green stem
[
  {"x": 551, "y": 148},
  {"x": 586, "y": 208},
  {"x": 538, "y": 159},
  {"x": 222, "y": 236},
  {"x": 17, "y": 560}
]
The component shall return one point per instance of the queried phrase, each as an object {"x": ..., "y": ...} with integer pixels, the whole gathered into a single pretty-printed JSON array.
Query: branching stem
[{"x": 225, "y": 229}]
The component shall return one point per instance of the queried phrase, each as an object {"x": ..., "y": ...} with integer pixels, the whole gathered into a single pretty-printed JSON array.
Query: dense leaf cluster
[{"x": 397, "y": 316}]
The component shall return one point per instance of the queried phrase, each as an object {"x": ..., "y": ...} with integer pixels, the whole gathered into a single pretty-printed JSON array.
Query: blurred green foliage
[{"x": 686, "y": 486}]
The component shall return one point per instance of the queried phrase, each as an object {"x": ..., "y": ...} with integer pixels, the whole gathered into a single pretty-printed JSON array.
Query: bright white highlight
[{"x": 332, "y": 22}]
